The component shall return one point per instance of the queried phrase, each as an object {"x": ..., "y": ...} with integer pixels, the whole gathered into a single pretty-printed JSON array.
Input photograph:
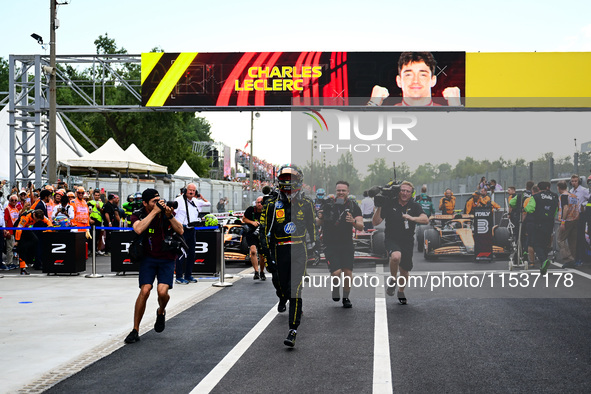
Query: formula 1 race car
[
  {"x": 453, "y": 235},
  {"x": 235, "y": 246}
]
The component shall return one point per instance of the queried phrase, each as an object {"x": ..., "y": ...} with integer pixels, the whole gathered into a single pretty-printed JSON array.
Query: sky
[{"x": 238, "y": 26}]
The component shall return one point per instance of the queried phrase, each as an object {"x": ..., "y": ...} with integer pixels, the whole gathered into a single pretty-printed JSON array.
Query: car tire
[
  {"x": 377, "y": 243},
  {"x": 432, "y": 242},
  {"x": 421, "y": 228},
  {"x": 501, "y": 237}
]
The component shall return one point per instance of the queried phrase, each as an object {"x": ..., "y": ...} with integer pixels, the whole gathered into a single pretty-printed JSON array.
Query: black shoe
[
  {"x": 569, "y": 264},
  {"x": 336, "y": 294},
  {"x": 256, "y": 275},
  {"x": 133, "y": 337},
  {"x": 390, "y": 286},
  {"x": 401, "y": 298},
  {"x": 347, "y": 303},
  {"x": 160, "y": 322},
  {"x": 281, "y": 307},
  {"x": 262, "y": 275},
  {"x": 291, "y": 337}
]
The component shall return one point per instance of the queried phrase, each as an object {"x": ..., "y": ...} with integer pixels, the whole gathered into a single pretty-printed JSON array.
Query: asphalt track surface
[{"x": 446, "y": 340}]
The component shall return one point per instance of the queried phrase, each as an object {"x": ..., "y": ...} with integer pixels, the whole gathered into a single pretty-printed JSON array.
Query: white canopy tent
[
  {"x": 185, "y": 171},
  {"x": 133, "y": 154},
  {"x": 111, "y": 156}
]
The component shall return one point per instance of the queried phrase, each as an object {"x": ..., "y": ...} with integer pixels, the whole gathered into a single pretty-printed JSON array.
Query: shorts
[
  {"x": 253, "y": 240},
  {"x": 151, "y": 268},
  {"x": 339, "y": 256},
  {"x": 404, "y": 249}
]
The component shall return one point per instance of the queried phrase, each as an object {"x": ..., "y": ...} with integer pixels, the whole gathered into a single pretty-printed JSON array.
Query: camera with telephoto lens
[
  {"x": 171, "y": 204},
  {"x": 385, "y": 195},
  {"x": 171, "y": 244},
  {"x": 333, "y": 212}
]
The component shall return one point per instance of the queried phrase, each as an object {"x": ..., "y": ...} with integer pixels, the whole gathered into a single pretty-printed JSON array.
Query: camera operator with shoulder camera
[
  {"x": 338, "y": 217},
  {"x": 187, "y": 213},
  {"x": 156, "y": 225},
  {"x": 252, "y": 220},
  {"x": 402, "y": 214}
]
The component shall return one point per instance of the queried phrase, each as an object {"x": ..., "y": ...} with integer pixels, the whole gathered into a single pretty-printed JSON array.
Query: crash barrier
[{"x": 64, "y": 251}]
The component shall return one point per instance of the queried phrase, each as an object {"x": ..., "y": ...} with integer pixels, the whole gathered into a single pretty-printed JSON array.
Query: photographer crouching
[
  {"x": 159, "y": 245},
  {"x": 394, "y": 203}
]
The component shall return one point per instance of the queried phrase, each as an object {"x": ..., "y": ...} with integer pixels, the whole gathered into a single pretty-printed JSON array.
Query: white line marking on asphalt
[
  {"x": 222, "y": 368},
  {"x": 382, "y": 366}
]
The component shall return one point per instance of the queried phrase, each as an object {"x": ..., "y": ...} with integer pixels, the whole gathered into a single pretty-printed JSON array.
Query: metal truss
[{"x": 28, "y": 104}]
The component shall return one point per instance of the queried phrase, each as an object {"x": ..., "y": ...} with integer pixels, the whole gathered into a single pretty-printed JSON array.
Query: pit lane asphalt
[{"x": 450, "y": 340}]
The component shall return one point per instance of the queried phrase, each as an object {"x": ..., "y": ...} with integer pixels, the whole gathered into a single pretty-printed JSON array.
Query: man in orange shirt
[{"x": 81, "y": 211}]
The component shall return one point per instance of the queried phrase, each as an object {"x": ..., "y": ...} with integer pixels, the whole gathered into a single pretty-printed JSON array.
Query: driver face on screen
[{"x": 415, "y": 80}]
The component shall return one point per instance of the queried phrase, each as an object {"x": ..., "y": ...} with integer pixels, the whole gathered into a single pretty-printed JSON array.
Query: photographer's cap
[{"x": 149, "y": 194}]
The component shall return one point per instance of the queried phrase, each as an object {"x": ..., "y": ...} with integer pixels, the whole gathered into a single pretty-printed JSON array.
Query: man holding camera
[
  {"x": 402, "y": 215},
  {"x": 252, "y": 219},
  {"x": 337, "y": 219},
  {"x": 154, "y": 222},
  {"x": 187, "y": 213}
]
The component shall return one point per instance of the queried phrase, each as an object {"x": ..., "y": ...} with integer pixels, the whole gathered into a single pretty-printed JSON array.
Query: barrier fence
[{"x": 68, "y": 253}]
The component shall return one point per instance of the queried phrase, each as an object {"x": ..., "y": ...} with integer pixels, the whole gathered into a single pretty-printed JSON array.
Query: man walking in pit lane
[
  {"x": 544, "y": 207},
  {"x": 285, "y": 222},
  {"x": 154, "y": 221},
  {"x": 338, "y": 219},
  {"x": 252, "y": 218},
  {"x": 402, "y": 215}
]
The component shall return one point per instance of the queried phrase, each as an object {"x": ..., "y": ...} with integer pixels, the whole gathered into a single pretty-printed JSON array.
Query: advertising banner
[{"x": 292, "y": 78}]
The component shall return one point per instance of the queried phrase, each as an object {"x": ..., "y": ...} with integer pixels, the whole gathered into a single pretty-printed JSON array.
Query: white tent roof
[
  {"x": 185, "y": 171},
  {"x": 112, "y": 156},
  {"x": 134, "y": 154},
  {"x": 66, "y": 147}
]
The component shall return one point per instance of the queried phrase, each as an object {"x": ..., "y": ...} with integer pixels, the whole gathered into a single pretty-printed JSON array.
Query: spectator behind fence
[
  {"x": 110, "y": 219},
  {"x": 11, "y": 214},
  {"x": 153, "y": 223}
]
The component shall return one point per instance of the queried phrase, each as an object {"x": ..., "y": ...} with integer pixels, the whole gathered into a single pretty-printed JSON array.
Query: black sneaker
[
  {"x": 347, "y": 303},
  {"x": 336, "y": 294},
  {"x": 390, "y": 286},
  {"x": 569, "y": 264},
  {"x": 262, "y": 276},
  {"x": 401, "y": 298},
  {"x": 281, "y": 307},
  {"x": 133, "y": 337},
  {"x": 291, "y": 337},
  {"x": 160, "y": 322},
  {"x": 256, "y": 275}
]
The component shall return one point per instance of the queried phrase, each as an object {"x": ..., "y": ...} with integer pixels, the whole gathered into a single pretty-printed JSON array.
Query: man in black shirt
[
  {"x": 252, "y": 219},
  {"x": 402, "y": 215},
  {"x": 110, "y": 219},
  {"x": 338, "y": 218}
]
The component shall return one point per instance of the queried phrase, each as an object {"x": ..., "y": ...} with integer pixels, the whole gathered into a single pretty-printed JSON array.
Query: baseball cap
[
  {"x": 149, "y": 194},
  {"x": 111, "y": 196}
]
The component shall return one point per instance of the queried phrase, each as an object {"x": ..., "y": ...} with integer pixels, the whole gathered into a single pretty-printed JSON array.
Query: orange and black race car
[{"x": 453, "y": 235}]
